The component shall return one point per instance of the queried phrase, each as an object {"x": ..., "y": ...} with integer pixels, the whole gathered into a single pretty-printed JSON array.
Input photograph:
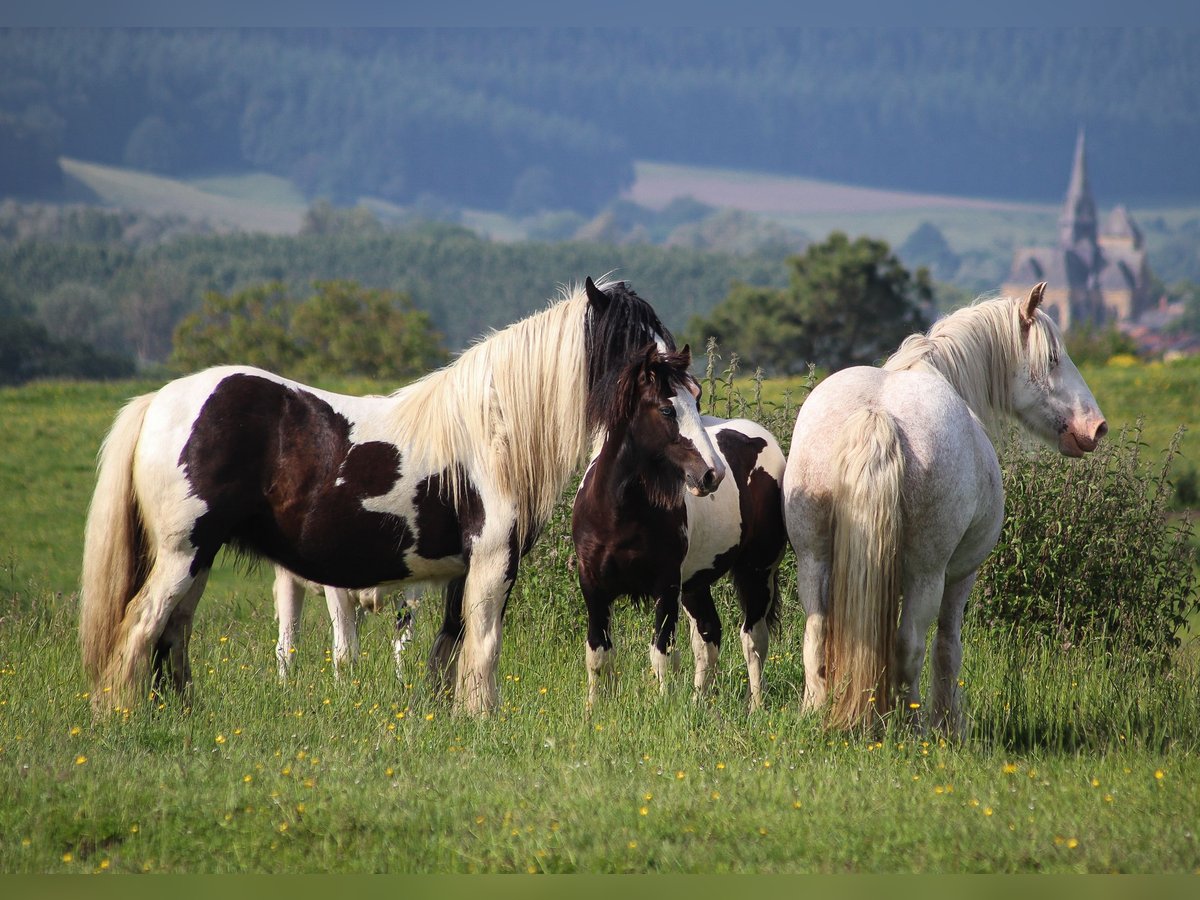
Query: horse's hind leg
[
  {"x": 171, "y": 663},
  {"x": 922, "y": 597},
  {"x": 758, "y": 592},
  {"x": 406, "y": 611},
  {"x": 288, "y": 592},
  {"x": 706, "y": 634},
  {"x": 812, "y": 584},
  {"x": 443, "y": 655},
  {"x": 945, "y": 696},
  {"x": 343, "y": 616},
  {"x": 662, "y": 648},
  {"x": 169, "y": 582}
]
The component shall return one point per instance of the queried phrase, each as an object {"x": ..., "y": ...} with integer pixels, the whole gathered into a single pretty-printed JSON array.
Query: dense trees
[
  {"x": 341, "y": 329},
  {"x": 28, "y": 351},
  {"x": 466, "y": 285},
  {"x": 527, "y": 119},
  {"x": 847, "y": 303}
]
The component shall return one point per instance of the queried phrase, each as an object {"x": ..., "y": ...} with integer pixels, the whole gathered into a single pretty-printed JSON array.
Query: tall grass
[{"x": 1074, "y": 761}]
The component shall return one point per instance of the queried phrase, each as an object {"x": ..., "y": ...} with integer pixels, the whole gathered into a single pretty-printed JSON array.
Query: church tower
[
  {"x": 1078, "y": 224},
  {"x": 1093, "y": 276}
]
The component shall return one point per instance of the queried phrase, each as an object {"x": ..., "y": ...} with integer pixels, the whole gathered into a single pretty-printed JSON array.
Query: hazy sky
[{"x": 656, "y": 13}]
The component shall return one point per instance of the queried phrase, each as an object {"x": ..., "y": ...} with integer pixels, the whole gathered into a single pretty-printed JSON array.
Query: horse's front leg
[
  {"x": 447, "y": 644},
  {"x": 343, "y": 616},
  {"x": 662, "y": 648},
  {"x": 945, "y": 701},
  {"x": 601, "y": 669},
  {"x": 491, "y": 571},
  {"x": 288, "y": 592},
  {"x": 706, "y": 634}
]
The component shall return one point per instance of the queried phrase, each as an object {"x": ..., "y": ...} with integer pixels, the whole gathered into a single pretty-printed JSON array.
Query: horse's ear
[
  {"x": 649, "y": 359},
  {"x": 597, "y": 299},
  {"x": 1032, "y": 302},
  {"x": 686, "y": 356}
]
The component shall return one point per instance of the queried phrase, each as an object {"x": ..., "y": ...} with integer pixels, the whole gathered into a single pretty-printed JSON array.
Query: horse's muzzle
[
  {"x": 1076, "y": 443},
  {"x": 706, "y": 484}
]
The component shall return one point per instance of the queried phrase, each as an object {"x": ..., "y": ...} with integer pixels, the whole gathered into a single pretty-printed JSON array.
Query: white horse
[
  {"x": 892, "y": 489},
  {"x": 346, "y": 607}
]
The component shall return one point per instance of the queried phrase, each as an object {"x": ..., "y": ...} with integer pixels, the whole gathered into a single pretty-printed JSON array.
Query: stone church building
[{"x": 1095, "y": 273}]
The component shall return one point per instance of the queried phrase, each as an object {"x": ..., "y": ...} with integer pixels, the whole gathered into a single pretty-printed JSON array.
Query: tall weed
[{"x": 1088, "y": 552}]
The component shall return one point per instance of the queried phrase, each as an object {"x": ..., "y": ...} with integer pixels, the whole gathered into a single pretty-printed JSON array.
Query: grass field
[{"x": 1077, "y": 761}]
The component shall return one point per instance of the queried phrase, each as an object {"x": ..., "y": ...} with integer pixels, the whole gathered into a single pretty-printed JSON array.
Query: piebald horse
[
  {"x": 892, "y": 490},
  {"x": 637, "y": 532},
  {"x": 451, "y": 476}
]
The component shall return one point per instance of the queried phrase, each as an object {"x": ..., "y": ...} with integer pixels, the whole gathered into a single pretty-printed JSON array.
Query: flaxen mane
[
  {"x": 520, "y": 419},
  {"x": 976, "y": 349}
]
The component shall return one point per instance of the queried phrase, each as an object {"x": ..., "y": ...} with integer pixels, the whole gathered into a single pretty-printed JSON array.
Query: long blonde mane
[
  {"x": 978, "y": 348},
  {"x": 511, "y": 408}
]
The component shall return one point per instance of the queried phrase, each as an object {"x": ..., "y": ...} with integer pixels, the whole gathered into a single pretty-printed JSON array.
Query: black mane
[{"x": 627, "y": 324}]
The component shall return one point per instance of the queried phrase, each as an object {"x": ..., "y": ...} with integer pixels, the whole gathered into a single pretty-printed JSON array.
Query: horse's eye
[{"x": 668, "y": 411}]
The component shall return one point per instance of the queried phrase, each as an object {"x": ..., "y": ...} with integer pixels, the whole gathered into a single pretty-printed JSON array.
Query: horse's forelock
[{"x": 615, "y": 397}]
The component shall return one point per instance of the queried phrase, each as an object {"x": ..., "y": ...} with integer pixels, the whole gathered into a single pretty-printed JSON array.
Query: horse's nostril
[
  {"x": 1101, "y": 430},
  {"x": 710, "y": 479}
]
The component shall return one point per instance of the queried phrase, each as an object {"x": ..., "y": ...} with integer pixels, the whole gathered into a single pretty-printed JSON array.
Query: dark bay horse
[
  {"x": 638, "y": 532},
  {"x": 449, "y": 478}
]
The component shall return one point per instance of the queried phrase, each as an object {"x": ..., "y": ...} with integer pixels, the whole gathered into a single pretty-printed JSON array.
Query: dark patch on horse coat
[
  {"x": 762, "y": 533},
  {"x": 281, "y": 478}
]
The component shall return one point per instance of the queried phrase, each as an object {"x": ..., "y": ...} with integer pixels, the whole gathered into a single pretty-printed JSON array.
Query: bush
[
  {"x": 1088, "y": 552},
  {"x": 342, "y": 329}
]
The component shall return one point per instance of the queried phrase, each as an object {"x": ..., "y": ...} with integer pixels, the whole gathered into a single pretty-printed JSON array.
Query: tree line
[
  {"x": 128, "y": 300},
  {"x": 527, "y": 119}
]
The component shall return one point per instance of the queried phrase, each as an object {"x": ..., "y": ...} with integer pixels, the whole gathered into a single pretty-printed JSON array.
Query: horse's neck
[{"x": 975, "y": 396}]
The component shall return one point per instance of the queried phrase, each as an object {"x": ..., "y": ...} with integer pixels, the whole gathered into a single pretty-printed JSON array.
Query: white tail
[
  {"x": 115, "y": 559},
  {"x": 864, "y": 603}
]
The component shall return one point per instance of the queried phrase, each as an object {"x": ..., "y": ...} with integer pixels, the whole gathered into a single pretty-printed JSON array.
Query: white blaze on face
[{"x": 692, "y": 428}]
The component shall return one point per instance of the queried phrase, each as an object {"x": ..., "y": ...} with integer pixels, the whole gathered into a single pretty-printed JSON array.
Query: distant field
[
  {"x": 972, "y": 226},
  {"x": 984, "y": 232},
  {"x": 247, "y": 202}
]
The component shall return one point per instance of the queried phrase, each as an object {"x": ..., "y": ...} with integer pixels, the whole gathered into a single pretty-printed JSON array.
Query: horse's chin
[{"x": 1074, "y": 446}]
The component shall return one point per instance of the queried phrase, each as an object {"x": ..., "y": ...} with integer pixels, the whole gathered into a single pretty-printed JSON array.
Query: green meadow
[{"x": 1078, "y": 759}]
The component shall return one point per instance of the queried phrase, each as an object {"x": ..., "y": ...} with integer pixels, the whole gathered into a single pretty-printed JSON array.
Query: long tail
[
  {"x": 864, "y": 601},
  {"x": 115, "y": 552}
]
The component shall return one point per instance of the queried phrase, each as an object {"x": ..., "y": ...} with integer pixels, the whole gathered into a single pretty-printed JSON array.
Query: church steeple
[{"x": 1078, "y": 220}]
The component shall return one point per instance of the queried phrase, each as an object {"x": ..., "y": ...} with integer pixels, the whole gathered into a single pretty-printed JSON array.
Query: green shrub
[{"x": 1088, "y": 552}]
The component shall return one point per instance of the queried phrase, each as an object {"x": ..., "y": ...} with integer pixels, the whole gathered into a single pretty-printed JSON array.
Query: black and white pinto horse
[
  {"x": 451, "y": 476},
  {"x": 346, "y": 608},
  {"x": 638, "y": 533}
]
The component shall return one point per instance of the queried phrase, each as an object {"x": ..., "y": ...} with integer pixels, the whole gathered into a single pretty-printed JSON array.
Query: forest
[
  {"x": 127, "y": 300},
  {"x": 526, "y": 119}
]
